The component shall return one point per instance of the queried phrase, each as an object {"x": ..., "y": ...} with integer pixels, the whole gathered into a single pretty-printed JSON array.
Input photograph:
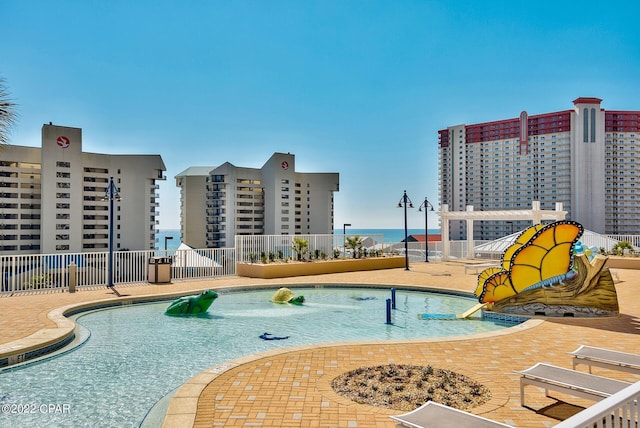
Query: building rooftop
[{"x": 196, "y": 170}]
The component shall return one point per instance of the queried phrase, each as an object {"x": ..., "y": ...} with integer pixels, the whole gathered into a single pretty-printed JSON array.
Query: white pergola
[{"x": 535, "y": 215}]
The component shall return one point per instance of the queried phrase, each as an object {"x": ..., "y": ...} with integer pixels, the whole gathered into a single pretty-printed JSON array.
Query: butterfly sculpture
[{"x": 541, "y": 256}]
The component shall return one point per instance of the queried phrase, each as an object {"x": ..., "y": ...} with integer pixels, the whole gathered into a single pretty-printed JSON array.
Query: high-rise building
[
  {"x": 52, "y": 199},
  {"x": 583, "y": 158},
  {"x": 193, "y": 183},
  {"x": 218, "y": 203}
]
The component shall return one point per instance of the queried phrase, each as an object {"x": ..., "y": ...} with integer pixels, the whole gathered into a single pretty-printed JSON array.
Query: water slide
[{"x": 466, "y": 314}]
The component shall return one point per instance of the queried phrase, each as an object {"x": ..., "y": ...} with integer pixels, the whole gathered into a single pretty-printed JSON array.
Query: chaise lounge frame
[
  {"x": 568, "y": 381},
  {"x": 606, "y": 358},
  {"x": 432, "y": 415},
  {"x": 616, "y": 411}
]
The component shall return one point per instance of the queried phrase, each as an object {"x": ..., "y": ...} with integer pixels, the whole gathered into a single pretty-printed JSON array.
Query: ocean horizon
[{"x": 390, "y": 235}]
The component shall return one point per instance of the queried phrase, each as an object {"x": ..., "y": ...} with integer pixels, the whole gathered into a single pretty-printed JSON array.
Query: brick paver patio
[{"x": 292, "y": 387}]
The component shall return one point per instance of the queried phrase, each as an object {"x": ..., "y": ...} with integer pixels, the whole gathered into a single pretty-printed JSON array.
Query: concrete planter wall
[
  {"x": 284, "y": 270},
  {"x": 614, "y": 262}
]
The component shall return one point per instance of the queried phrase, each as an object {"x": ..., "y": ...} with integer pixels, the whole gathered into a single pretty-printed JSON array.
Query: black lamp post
[
  {"x": 427, "y": 207},
  {"x": 403, "y": 202},
  {"x": 111, "y": 193},
  {"x": 344, "y": 238},
  {"x": 165, "y": 242}
]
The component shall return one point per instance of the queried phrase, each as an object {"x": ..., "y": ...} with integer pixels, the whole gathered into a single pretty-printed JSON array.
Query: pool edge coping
[
  {"x": 56, "y": 337},
  {"x": 186, "y": 396},
  {"x": 182, "y": 408}
]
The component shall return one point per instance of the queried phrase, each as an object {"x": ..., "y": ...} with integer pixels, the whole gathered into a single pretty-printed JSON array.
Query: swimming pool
[{"x": 136, "y": 354}]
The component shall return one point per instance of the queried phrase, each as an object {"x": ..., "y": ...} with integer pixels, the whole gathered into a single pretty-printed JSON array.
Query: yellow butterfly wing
[
  {"x": 496, "y": 287},
  {"x": 546, "y": 255},
  {"x": 482, "y": 278},
  {"x": 521, "y": 240}
]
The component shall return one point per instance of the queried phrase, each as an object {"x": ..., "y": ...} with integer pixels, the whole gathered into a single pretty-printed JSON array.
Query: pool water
[{"x": 136, "y": 354}]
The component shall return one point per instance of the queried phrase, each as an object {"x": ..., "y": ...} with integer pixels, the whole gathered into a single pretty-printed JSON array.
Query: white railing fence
[
  {"x": 616, "y": 411},
  {"x": 201, "y": 263},
  {"x": 31, "y": 272},
  {"x": 458, "y": 249},
  {"x": 634, "y": 239},
  {"x": 269, "y": 248},
  {"x": 23, "y": 273},
  {"x": 416, "y": 250}
]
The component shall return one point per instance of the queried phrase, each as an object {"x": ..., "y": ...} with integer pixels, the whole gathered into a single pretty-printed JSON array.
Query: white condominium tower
[
  {"x": 218, "y": 203},
  {"x": 583, "y": 158},
  {"x": 52, "y": 199}
]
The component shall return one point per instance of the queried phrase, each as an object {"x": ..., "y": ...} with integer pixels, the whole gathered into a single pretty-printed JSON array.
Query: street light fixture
[
  {"x": 344, "y": 238},
  {"x": 111, "y": 193},
  {"x": 427, "y": 207},
  {"x": 165, "y": 242},
  {"x": 403, "y": 202}
]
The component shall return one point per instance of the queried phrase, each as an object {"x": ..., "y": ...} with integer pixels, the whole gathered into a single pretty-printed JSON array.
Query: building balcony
[{"x": 95, "y": 236}]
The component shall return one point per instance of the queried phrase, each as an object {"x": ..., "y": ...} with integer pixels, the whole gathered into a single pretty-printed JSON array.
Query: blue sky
[{"x": 355, "y": 87}]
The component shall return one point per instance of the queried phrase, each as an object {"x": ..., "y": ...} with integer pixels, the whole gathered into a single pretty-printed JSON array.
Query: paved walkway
[{"x": 292, "y": 387}]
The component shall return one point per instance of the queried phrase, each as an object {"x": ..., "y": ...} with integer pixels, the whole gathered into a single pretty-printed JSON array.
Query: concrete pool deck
[{"x": 292, "y": 387}]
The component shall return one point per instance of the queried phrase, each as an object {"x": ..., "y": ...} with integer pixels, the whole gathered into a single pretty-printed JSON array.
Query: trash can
[{"x": 159, "y": 270}]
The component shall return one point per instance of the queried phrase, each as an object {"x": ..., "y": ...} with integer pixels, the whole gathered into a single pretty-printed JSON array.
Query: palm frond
[{"x": 8, "y": 114}]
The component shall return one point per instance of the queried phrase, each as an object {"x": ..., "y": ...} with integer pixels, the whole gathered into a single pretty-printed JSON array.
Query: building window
[
  {"x": 61, "y": 164},
  {"x": 593, "y": 125},
  {"x": 96, "y": 170},
  {"x": 585, "y": 125}
]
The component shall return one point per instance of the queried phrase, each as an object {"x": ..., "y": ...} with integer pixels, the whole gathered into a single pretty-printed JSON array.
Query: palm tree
[
  {"x": 354, "y": 243},
  {"x": 8, "y": 115},
  {"x": 300, "y": 246},
  {"x": 620, "y": 247}
]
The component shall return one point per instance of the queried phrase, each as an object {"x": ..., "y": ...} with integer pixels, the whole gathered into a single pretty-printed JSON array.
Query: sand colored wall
[
  {"x": 623, "y": 262},
  {"x": 283, "y": 270}
]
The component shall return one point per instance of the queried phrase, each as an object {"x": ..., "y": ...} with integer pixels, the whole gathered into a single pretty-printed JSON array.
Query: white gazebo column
[
  {"x": 535, "y": 212},
  {"x": 446, "y": 245},
  {"x": 470, "y": 254}
]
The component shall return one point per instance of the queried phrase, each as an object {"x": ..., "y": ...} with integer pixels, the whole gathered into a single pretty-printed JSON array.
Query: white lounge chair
[
  {"x": 479, "y": 267},
  {"x": 606, "y": 358},
  {"x": 572, "y": 382},
  {"x": 434, "y": 415},
  {"x": 623, "y": 405}
]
